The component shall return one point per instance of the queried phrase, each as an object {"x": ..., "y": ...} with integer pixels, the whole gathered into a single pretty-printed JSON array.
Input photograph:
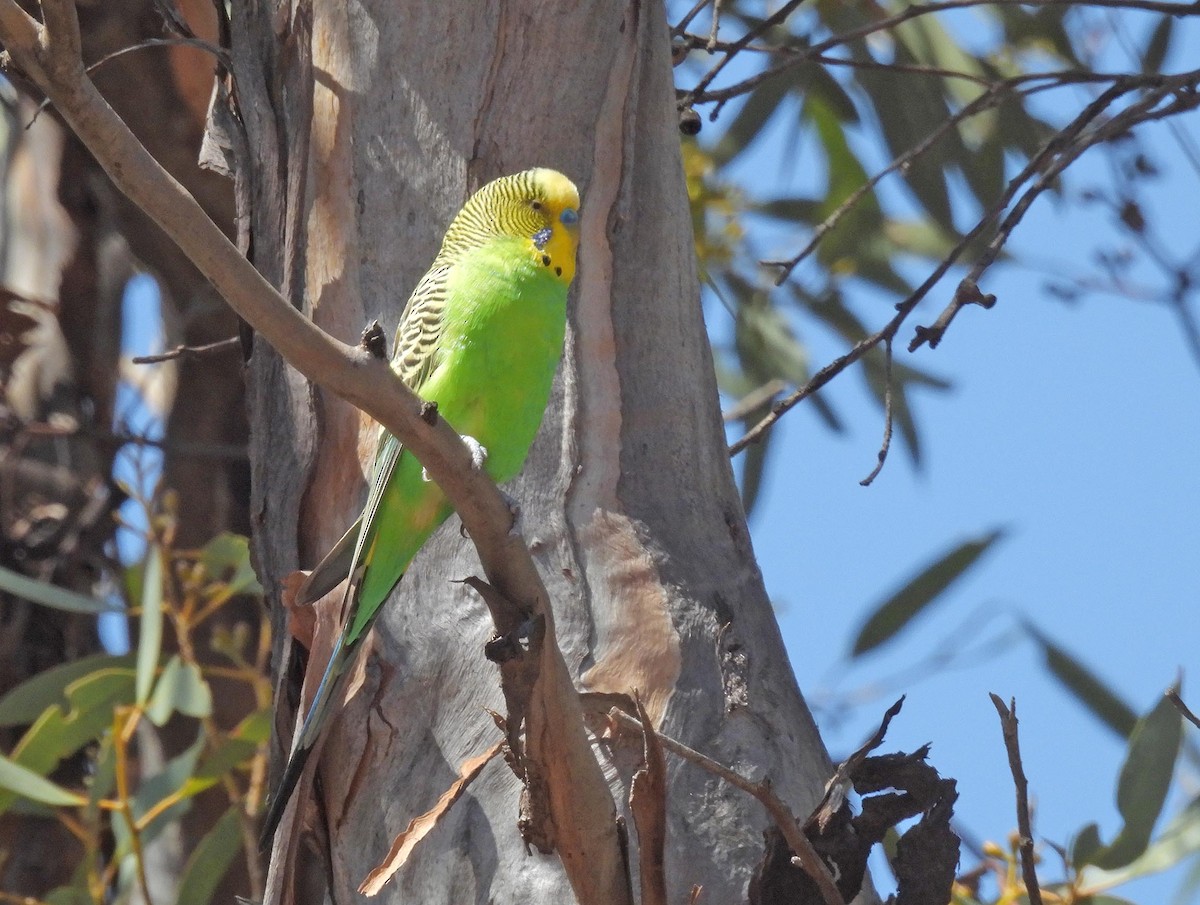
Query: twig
[
  {"x": 1063, "y": 148},
  {"x": 691, "y": 14},
  {"x": 1008, "y": 723},
  {"x": 220, "y": 345},
  {"x": 1175, "y": 699},
  {"x": 984, "y": 102},
  {"x": 809, "y": 860},
  {"x": 754, "y": 400},
  {"x": 887, "y": 414},
  {"x": 220, "y": 53},
  {"x": 172, "y": 19},
  {"x": 716, "y": 26},
  {"x": 779, "y": 16}
]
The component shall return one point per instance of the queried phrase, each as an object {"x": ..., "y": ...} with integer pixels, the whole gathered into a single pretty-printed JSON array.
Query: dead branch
[
  {"x": 1008, "y": 722},
  {"x": 784, "y": 819}
]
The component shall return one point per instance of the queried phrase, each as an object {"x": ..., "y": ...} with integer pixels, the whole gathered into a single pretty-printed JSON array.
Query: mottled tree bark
[{"x": 627, "y": 500}]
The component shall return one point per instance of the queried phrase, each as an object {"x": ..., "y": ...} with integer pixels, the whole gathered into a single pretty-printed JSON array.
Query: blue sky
[{"x": 1075, "y": 427}]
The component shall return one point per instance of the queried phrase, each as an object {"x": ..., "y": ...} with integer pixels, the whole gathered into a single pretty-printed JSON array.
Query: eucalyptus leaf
[
  {"x": 150, "y": 624},
  {"x": 210, "y": 860},
  {"x": 227, "y": 558},
  {"x": 888, "y": 618},
  {"x": 25, "y": 703},
  {"x": 1096, "y": 695},
  {"x": 180, "y": 688},
  {"x": 22, "y": 781},
  {"x": 1141, "y": 790},
  {"x": 53, "y": 596}
]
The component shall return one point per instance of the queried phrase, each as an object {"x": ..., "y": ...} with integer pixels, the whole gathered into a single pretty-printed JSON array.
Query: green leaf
[
  {"x": 227, "y": 556},
  {"x": 753, "y": 461},
  {"x": 50, "y": 595},
  {"x": 909, "y": 110},
  {"x": 856, "y": 246},
  {"x": 800, "y": 210},
  {"x": 104, "y": 771},
  {"x": 1178, "y": 842},
  {"x": 25, "y": 703},
  {"x": 210, "y": 860},
  {"x": 27, "y": 784},
  {"x": 68, "y": 895},
  {"x": 176, "y": 775},
  {"x": 1141, "y": 790},
  {"x": 1158, "y": 45},
  {"x": 181, "y": 688},
  {"x": 150, "y": 625},
  {"x": 1085, "y": 685},
  {"x": 58, "y": 733},
  {"x": 889, "y": 617}
]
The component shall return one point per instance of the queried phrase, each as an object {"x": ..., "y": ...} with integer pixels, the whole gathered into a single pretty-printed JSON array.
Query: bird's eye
[
  {"x": 536, "y": 205},
  {"x": 569, "y": 216}
]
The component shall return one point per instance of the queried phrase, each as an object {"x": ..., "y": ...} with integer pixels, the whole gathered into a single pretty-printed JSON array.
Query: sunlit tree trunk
[{"x": 627, "y": 499}]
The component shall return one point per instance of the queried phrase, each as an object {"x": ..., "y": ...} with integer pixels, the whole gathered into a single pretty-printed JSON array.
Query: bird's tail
[{"x": 310, "y": 730}]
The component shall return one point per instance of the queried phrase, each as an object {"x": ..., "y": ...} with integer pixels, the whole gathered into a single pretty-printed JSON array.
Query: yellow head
[{"x": 539, "y": 205}]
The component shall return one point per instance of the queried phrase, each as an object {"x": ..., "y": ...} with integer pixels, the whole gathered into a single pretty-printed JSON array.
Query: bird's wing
[{"x": 420, "y": 331}]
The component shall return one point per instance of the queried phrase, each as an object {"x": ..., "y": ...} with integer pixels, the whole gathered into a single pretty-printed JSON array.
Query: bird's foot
[
  {"x": 479, "y": 452},
  {"x": 514, "y": 509},
  {"x": 479, "y": 455}
]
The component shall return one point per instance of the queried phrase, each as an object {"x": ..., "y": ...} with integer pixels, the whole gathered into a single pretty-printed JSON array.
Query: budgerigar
[{"x": 481, "y": 336}]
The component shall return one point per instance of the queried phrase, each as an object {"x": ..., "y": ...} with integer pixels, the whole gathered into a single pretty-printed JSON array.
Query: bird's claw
[
  {"x": 479, "y": 452},
  {"x": 479, "y": 455},
  {"x": 514, "y": 509}
]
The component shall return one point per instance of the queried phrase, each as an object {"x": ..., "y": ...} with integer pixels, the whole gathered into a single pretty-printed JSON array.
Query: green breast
[{"x": 502, "y": 338}]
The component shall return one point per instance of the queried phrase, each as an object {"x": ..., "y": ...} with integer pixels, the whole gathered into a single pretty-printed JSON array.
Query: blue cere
[{"x": 569, "y": 216}]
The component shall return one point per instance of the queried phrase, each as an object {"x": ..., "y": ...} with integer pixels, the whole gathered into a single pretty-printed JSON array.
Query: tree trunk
[{"x": 628, "y": 501}]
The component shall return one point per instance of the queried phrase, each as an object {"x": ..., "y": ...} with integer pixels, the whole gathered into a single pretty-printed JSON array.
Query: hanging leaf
[
  {"x": 24, "y": 782},
  {"x": 227, "y": 559},
  {"x": 1179, "y": 841},
  {"x": 180, "y": 687},
  {"x": 1098, "y": 697},
  {"x": 1158, "y": 46},
  {"x": 25, "y": 703},
  {"x": 150, "y": 624},
  {"x": 1141, "y": 790},
  {"x": 890, "y": 617},
  {"x": 60, "y": 732},
  {"x": 45, "y": 594},
  {"x": 210, "y": 860}
]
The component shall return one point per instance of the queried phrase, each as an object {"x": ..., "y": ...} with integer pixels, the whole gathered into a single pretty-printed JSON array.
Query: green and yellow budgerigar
[{"x": 481, "y": 336}]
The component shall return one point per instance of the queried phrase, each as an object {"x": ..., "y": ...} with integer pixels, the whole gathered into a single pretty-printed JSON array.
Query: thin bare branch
[
  {"x": 680, "y": 27},
  {"x": 221, "y": 345},
  {"x": 1177, "y": 701},
  {"x": 716, "y": 26},
  {"x": 809, "y": 860},
  {"x": 753, "y": 400},
  {"x": 1008, "y": 723},
  {"x": 1061, "y": 150},
  {"x": 778, "y": 17},
  {"x": 887, "y": 414},
  {"x": 172, "y": 19}
]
